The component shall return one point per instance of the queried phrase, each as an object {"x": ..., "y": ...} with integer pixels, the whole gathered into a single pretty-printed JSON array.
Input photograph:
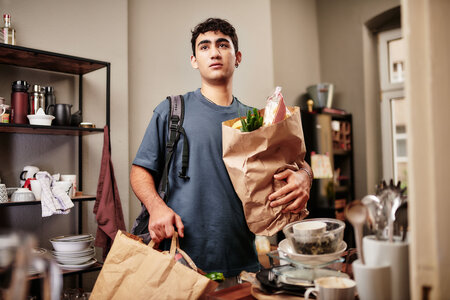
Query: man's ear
[
  {"x": 194, "y": 62},
  {"x": 238, "y": 57}
]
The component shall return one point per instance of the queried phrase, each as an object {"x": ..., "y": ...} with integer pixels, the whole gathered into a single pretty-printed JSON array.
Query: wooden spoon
[{"x": 356, "y": 214}]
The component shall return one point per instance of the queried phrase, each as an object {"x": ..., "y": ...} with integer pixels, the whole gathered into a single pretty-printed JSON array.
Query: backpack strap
[{"x": 175, "y": 130}]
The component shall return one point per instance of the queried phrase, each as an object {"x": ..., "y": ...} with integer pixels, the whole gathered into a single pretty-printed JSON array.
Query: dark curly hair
[{"x": 215, "y": 24}]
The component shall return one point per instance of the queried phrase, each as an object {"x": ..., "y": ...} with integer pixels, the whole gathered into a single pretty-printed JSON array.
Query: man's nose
[{"x": 215, "y": 52}]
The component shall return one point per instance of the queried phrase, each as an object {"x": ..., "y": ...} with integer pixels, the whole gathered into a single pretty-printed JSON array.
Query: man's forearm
[{"x": 143, "y": 186}]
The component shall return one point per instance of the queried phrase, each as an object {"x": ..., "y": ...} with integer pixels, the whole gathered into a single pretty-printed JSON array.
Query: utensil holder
[{"x": 396, "y": 255}]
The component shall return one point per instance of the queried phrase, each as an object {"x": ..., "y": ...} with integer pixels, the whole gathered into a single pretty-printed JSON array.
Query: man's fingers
[
  {"x": 168, "y": 230},
  {"x": 179, "y": 225}
]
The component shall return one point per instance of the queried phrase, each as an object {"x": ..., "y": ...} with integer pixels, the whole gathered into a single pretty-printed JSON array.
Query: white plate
[
  {"x": 74, "y": 261},
  {"x": 72, "y": 238},
  {"x": 78, "y": 267},
  {"x": 314, "y": 260},
  {"x": 84, "y": 252}
]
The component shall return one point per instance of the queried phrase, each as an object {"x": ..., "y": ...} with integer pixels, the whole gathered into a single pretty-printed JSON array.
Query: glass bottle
[{"x": 8, "y": 34}]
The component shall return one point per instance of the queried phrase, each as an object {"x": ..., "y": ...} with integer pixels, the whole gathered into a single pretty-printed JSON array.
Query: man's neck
[{"x": 219, "y": 94}]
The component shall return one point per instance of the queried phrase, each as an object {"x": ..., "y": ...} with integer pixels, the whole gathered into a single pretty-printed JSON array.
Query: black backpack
[{"x": 176, "y": 117}]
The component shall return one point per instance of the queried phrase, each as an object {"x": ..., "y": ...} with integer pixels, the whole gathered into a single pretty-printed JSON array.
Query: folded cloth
[{"x": 54, "y": 200}]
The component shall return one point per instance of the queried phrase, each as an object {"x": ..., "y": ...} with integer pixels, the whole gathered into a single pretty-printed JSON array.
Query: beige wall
[
  {"x": 341, "y": 31},
  {"x": 91, "y": 29},
  {"x": 295, "y": 45},
  {"x": 160, "y": 49}
]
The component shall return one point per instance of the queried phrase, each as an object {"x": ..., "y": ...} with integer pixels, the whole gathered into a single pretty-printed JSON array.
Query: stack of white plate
[{"x": 74, "y": 252}]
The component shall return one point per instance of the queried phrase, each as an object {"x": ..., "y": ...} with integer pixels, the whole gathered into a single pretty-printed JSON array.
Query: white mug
[
  {"x": 72, "y": 178},
  {"x": 65, "y": 186},
  {"x": 396, "y": 255},
  {"x": 3, "y": 193},
  {"x": 36, "y": 189},
  {"x": 372, "y": 282},
  {"x": 332, "y": 288}
]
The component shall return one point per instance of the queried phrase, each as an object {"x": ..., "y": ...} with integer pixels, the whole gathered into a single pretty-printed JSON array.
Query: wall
[
  {"x": 295, "y": 47},
  {"x": 160, "y": 50},
  {"x": 341, "y": 32},
  {"x": 80, "y": 28}
]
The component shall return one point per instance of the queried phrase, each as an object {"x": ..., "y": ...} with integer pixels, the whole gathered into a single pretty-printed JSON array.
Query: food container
[{"x": 315, "y": 242}]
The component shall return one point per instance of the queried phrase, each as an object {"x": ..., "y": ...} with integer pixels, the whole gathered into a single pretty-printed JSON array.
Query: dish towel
[
  {"x": 54, "y": 200},
  {"x": 107, "y": 208}
]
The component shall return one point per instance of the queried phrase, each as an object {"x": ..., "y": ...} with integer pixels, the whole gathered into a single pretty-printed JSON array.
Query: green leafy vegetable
[
  {"x": 216, "y": 276},
  {"x": 252, "y": 122}
]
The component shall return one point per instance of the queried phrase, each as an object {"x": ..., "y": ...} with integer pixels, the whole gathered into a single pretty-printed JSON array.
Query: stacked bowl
[
  {"x": 74, "y": 252},
  {"x": 313, "y": 241}
]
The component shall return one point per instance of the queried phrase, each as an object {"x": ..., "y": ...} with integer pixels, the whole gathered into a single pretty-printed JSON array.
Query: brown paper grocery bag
[
  {"x": 252, "y": 158},
  {"x": 134, "y": 270}
]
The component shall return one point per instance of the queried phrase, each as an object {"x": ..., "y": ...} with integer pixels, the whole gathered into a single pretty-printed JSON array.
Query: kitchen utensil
[
  {"x": 372, "y": 203},
  {"x": 19, "y": 102},
  {"x": 356, "y": 214},
  {"x": 40, "y": 118},
  {"x": 395, "y": 205},
  {"x": 401, "y": 217},
  {"x": 62, "y": 113},
  {"x": 396, "y": 255},
  {"x": 372, "y": 282},
  {"x": 319, "y": 241}
]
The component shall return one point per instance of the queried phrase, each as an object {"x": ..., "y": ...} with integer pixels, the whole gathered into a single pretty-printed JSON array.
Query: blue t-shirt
[{"x": 216, "y": 235}]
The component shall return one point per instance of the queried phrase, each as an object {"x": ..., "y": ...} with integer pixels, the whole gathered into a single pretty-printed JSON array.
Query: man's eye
[
  {"x": 204, "y": 47},
  {"x": 223, "y": 45}
]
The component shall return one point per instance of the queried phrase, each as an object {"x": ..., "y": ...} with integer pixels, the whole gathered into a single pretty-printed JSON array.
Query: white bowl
[
  {"x": 45, "y": 120},
  {"x": 22, "y": 194},
  {"x": 63, "y": 244},
  {"x": 286, "y": 248},
  {"x": 74, "y": 260}
]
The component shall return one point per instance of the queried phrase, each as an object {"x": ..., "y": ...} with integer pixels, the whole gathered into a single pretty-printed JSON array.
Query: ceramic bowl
[
  {"x": 288, "y": 250},
  {"x": 45, "y": 120},
  {"x": 316, "y": 242},
  {"x": 22, "y": 194},
  {"x": 72, "y": 243}
]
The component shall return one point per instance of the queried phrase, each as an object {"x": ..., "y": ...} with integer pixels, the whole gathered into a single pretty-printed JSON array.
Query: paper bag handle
[{"x": 173, "y": 245}]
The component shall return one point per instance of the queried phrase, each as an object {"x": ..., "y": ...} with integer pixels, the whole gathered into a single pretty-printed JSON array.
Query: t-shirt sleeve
[{"x": 150, "y": 154}]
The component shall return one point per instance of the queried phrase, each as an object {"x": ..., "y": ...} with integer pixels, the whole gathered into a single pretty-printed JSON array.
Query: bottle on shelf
[{"x": 8, "y": 34}]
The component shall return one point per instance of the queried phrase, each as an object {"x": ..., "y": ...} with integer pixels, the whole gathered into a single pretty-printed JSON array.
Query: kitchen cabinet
[{"x": 25, "y": 60}]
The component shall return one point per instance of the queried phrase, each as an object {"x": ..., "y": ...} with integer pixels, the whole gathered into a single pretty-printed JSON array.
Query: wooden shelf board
[
  {"x": 75, "y": 199},
  {"x": 44, "y": 60},
  {"x": 49, "y": 130}
]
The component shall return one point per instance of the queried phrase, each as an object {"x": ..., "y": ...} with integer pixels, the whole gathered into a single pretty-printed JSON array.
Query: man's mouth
[{"x": 215, "y": 65}]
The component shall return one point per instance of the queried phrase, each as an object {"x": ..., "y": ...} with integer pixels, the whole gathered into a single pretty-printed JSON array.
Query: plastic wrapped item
[{"x": 275, "y": 110}]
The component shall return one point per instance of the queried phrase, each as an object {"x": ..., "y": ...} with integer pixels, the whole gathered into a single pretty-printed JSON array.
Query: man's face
[{"x": 215, "y": 57}]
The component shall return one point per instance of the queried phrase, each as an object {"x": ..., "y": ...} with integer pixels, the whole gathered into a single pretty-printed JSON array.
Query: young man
[{"x": 205, "y": 209}]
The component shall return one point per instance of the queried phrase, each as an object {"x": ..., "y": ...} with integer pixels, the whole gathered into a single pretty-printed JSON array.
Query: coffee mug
[
  {"x": 3, "y": 193},
  {"x": 66, "y": 186},
  {"x": 332, "y": 288},
  {"x": 36, "y": 189},
  {"x": 72, "y": 178}
]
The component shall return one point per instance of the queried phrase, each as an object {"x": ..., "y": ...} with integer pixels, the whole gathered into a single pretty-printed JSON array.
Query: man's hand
[
  {"x": 162, "y": 221},
  {"x": 295, "y": 193}
]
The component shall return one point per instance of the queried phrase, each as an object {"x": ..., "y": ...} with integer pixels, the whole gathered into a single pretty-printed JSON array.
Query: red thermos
[{"x": 19, "y": 102}]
